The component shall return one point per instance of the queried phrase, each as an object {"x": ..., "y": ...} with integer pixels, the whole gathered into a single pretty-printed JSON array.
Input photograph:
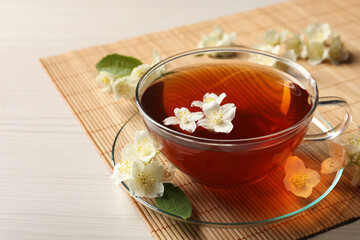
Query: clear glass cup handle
[{"x": 336, "y": 130}]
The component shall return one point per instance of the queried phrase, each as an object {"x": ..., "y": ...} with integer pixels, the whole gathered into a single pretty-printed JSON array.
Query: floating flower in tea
[
  {"x": 185, "y": 119},
  {"x": 208, "y": 98},
  {"x": 146, "y": 180},
  {"x": 299, "y": 179},
  {"x": 218, "y": 118}
]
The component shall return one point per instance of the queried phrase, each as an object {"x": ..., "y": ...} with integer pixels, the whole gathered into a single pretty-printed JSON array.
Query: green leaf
[
  {"x": 174, "y": 201},
  {"x": 118, "y": 65}
]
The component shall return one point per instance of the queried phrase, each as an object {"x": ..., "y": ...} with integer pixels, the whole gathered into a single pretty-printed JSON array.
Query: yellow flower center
[
  {"x": 209, "y": 99},
  {"x": 105, "y": 80},
  {"x": 125, "y": 167},
  {"x": 144, "y": 180},
  {"x": 122, "y": 88},
  {"x": 216, "y": 118},
  {"x": 185, "y": 116},
  {"x": 299, "y": 180},
  {"x": 144, "y": 146},
  {"x": 354, "y": 141}
]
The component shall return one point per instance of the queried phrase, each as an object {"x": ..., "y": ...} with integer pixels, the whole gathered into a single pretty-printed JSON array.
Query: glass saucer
[{"x": 250, "y": 205}]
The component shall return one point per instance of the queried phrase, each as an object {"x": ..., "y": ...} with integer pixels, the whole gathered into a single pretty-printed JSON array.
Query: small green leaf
[
  {"x": 174, "y": 201},
  {"x": 118, "y": 65}
]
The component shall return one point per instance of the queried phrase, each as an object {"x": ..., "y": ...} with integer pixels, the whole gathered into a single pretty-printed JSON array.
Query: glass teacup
[{"x": 231, "y": 162}]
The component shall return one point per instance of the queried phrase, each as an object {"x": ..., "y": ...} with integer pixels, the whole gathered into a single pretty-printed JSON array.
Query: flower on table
[
  {"x": 105, "y": 81},
  {"x": 299, "y": 179},
  {"x": 337, "y": 161},
  {"x": 217, "y": 38},
  {"x": 297, "y": 43},
  {"x": 318, "y": 32},
  {"x": 124, "y": 87},
  {"x": 265, "y": 60},
  {"x": 337, "y": 52},
  {"x": 185, "y": 119},
  {"x": 291, "y": 55},
  {"x": 146, "y": 180},
  {"x": 208, "y": 98},
  {"x": 274, "y": 38},
  {"x": 218, "y": 118},
  {"x": 122, "y": 170},
  {"x": 139, "y": 71},
  {"x": 316, "y": 52}
]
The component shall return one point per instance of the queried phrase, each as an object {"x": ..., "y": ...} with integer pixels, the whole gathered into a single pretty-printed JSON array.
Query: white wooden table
[{"x": 53, "y": 184}]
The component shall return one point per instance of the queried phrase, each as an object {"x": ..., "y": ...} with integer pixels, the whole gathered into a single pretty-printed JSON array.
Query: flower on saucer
[
  {"x": 144, "y": 146},
  {"x": 185, "y": 119},
  {"x": 318, "y": 32},
  {"x": 337, "y": 52},
  {"x": 124, "y": 87},
  {"x": 316, "y": 52},
  {"x": 218, "y": 118},
  {"x": 297, "y": 43},
  {"x": 209, "y": 97},
  {"x": 169, "y": 172},
  {"x": 265, "y": 60},
  {"x": 300, "y": 180},
  {"x": 274, "y": 38},
  {"x": 122, "y": 170},
  {"x": 146, "y": 180},
  {"x": 105, "y": 81},
  {"x": 337, "y": 161},
  {"x": 217, "y": 38}
]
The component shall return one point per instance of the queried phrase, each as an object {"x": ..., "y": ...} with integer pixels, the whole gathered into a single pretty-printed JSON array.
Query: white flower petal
[
  {"x": 155, "y": 169},
  {"x": 272, "y": 37},
  {"x": 316, "y": 52},
  {"x": 123, "y": 87},
  {"x": 290, "y": 54},
  {"x": 139, "y": 71},
  {"x": 228, "y": 112},
  {"x": 294, "y": 165},
  {"x": 105, "y": 81},
  {"x": 197, "y": 104},
  {"x": 171, "y": 121},
  {"x": 205, "y": 123},
  {"x": 169, "y": 172},
  {"x": 189, "y": 127},
  {"x": 337, "y": 52},
  {"x": 145, "y": 148},
  {"x": 196, "y": 116},
  {"x": 211, "y": 108},
  {"x": 312, "y": 177},
  {"x": 220, "y": 98},
  {"x": 331, "y": 165},
  {"x": 224, "y": 127},
  {"x": 318, "y": 32}
]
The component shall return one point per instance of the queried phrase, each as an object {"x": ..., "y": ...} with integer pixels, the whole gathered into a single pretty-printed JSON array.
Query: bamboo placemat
[{"x": 73, "y": 73}]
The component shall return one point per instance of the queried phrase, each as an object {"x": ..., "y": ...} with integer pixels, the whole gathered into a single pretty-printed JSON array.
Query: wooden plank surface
[{"x": 52, "y": 182}]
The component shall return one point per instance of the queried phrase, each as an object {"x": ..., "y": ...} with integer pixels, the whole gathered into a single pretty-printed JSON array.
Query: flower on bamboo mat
[
  {"x": 346, "y": 154},
  {"x": 149, "y": 177},
  {"x": 119, "y": 74}
]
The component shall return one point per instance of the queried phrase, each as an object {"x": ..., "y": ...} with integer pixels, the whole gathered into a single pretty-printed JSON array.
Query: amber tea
[{"x": 267, "y": 101}]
